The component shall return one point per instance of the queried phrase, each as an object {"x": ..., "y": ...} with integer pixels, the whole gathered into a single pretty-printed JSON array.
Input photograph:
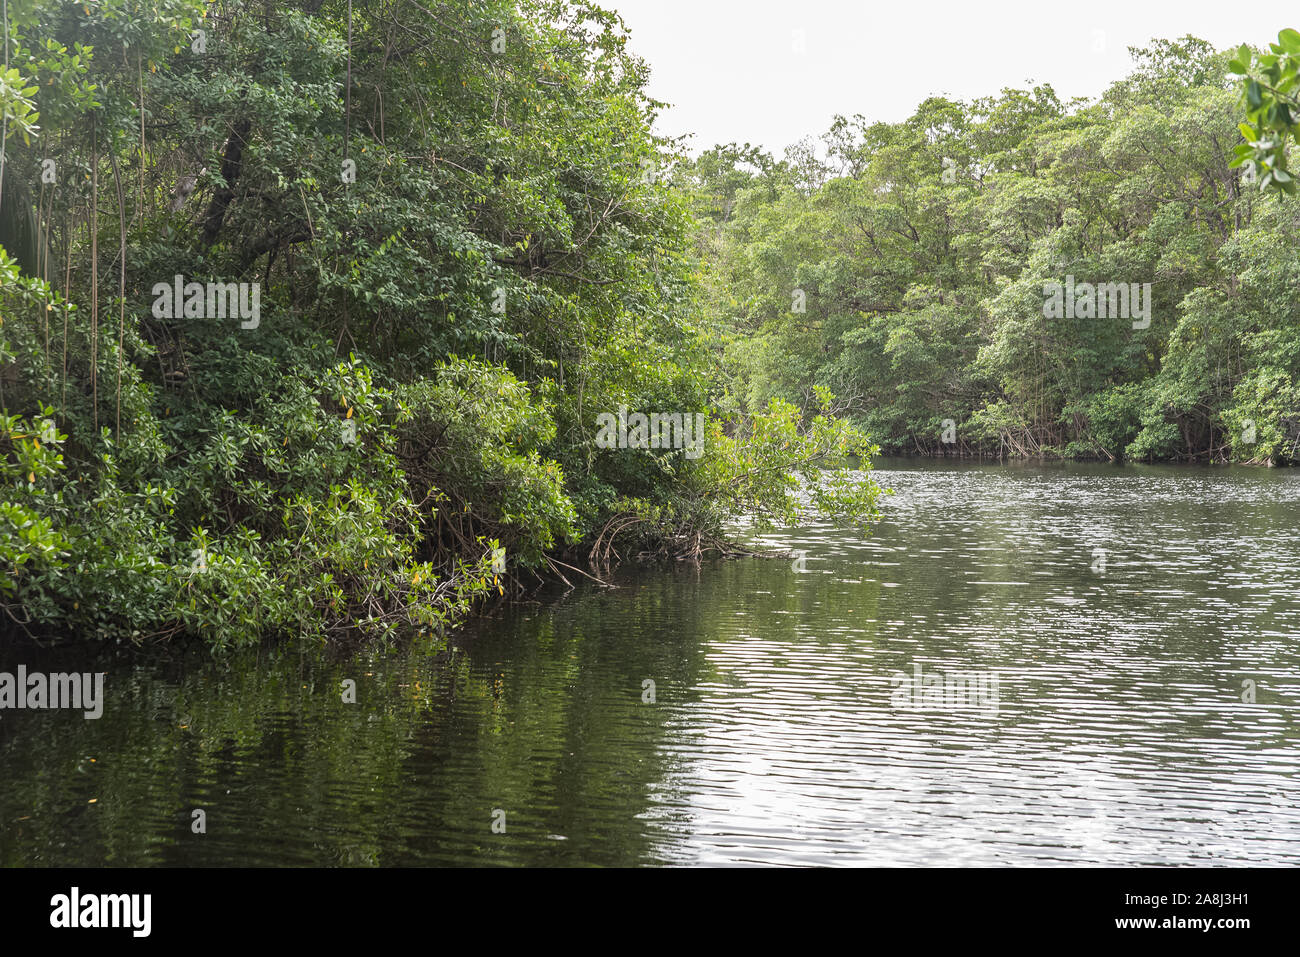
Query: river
[{"x": 1142, "y": 625}]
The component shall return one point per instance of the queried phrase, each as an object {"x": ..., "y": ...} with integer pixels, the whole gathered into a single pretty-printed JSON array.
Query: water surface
[{"x": 1143, "y": 624}]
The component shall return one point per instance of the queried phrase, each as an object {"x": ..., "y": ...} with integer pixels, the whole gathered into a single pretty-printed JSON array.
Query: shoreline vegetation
[
  {"x": 306, "y": 322},
  {"x": 311, "y": 316}
]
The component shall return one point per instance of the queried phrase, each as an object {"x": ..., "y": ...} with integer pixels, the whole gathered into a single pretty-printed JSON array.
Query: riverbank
[{"x": 742, "y": 712}]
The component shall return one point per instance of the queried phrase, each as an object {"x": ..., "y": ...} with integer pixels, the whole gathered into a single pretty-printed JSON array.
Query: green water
[{"x": 1118, "y": 735}]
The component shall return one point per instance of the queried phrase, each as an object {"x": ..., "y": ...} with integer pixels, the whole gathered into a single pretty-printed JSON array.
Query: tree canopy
[
  {"x": 907, "y": 267},
  {"x": 416, "y": 249}
]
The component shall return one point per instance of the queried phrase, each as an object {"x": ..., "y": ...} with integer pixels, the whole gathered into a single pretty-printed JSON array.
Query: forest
[
  {"x": 311, "y": 313},
  {"x": 908, "y": 267}
]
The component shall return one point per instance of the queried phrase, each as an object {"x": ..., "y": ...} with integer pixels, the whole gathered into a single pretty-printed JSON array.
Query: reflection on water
[{"x": 1143, "y": 624}]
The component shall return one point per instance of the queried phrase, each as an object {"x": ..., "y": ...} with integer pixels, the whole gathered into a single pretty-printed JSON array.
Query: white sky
[{"x": 730, "y": 69}]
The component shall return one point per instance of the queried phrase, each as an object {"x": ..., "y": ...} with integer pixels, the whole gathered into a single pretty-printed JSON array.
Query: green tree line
[
  {"x": 908, "y": 267},
  {"x": 308, "y": 310}
]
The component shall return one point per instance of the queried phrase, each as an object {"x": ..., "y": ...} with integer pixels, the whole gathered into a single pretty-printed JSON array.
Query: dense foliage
[
  {"x": 908, "y": 267},
  {"x": 1270, "y": 84},
  {"x": 447, "y": 247}
]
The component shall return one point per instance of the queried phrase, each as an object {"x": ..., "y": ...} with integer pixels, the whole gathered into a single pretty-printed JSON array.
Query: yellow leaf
[
  {"x": 349, "y": 415},
  {"x": 31, "y": 476}
]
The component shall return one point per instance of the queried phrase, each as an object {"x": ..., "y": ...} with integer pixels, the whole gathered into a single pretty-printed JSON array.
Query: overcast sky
[{"x": 733, "y": 70}]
